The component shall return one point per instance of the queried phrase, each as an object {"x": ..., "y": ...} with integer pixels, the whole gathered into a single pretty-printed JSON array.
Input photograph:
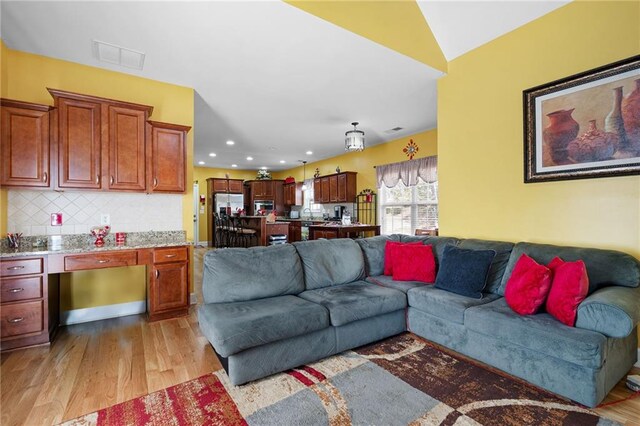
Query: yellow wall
[
  {"x": 363, "y": 162},
  {"x": 28, "y": 79},
  {"x": 480, "y": 137},
  {"x": 201, "y": 174}
]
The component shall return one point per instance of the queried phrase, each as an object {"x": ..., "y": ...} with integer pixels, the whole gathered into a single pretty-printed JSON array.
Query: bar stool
[{"x": 244, "y": 235}]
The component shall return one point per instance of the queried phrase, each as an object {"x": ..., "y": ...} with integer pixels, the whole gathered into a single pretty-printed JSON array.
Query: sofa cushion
[
  {"x": 414, "y": 263},
  {"x": 238, "y": 274},
  {"x": 500, "y": 261},
  {"x": 604, "y": 267},
  {"x": 355, "y": 301},
  {"x": 330, "y": 262},
  {"x": 464, "y": 271},
  {"x": 444, "y": 304},
  {"x": 390, "y": 254},
  {"x": 540, "y": 332},
  {"x": 387, "y": 281},
  {"x": 528, "y": 286},
  {"x": 233, "y": 327},
  {"x": 373, "y": 251},
  {"x": 568, "y": 289}
]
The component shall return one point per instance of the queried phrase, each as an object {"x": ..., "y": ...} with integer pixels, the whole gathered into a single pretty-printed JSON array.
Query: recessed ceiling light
[
  {"x": 264, "y": 167},
  {"x": 234, "y": 165},
  {"x": 282, "y": 161},
  {"x": 249, "y": 158},
  {"x": 309, "y": 152},
  {"x": 201, "y": 162},
  {"x": 231, "y": 143},
  {"x": 212, "y": 154}
]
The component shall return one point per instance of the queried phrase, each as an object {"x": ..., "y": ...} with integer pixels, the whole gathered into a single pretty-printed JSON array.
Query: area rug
[{"x": 403, "y": 380}]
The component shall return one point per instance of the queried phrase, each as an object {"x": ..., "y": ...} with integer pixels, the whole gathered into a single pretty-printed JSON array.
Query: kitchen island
[
  {"x": 259, "y": 224},
  {"x": 337, "y": 230}
]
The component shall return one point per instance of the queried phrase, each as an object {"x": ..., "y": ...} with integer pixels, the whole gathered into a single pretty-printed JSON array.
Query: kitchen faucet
[{"x": 307, "y": 210}]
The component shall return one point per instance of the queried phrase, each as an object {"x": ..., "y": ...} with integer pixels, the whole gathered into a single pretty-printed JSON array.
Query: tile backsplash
[{"x": 29, "y": 212}]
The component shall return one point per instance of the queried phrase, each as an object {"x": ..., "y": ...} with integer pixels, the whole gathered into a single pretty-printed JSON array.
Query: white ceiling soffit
[
  {"x": 276, "y": 80},
  {"x": 461, "y": 26}
]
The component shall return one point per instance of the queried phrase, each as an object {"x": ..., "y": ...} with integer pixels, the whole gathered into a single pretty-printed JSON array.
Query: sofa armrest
[{"x": 612, "y": 311}]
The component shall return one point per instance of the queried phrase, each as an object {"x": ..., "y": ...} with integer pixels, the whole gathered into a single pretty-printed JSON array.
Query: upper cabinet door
[
  {"x": 168, "y": 157},
  {"x": 25, "y": 144},
  {"x": 127, "y": 159},
  {"x": 235, "y": 186},
  {"x": 79, "y": 157},
  {"x": 220, "y": 185}
]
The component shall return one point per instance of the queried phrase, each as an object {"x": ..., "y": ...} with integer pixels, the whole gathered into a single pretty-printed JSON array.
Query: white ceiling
[{"x": 274, "y": 79}]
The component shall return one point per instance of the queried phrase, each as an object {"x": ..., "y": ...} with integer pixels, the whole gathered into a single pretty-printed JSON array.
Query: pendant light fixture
[
  {"x": 304, "y": 171},
  {"x": 354, "y": 139}
]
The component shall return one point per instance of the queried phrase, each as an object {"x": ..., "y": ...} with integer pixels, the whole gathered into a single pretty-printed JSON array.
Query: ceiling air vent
[
  {"x": 394, "y": 130},
  {"x": 113, "y": 54}
]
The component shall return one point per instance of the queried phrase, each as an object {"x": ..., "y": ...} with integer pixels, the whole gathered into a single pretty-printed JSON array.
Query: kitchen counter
[
  {"x": 337, "y": 230},
  {"x": 84, "y": 243}
]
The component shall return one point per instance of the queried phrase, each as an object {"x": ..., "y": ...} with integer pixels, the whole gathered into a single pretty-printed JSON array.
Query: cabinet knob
[
  {"x": 45, "y": 177},
  {"x": 97, "y": 179},
  {"x": 111, "y": 180},
  {"x": 169, "y": 255},
  {"x": 15, "y": 290},
  {"x": 15, "y": 268},
  {"x": 104, "y": 261},
  {"x": 15, "y": 320},
  {"x": 155, "y": 182},
  {"x": 157, "y": 273}
]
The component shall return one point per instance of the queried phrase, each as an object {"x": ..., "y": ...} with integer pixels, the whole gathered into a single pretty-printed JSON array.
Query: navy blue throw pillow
[{"x": 464, "y": 271}]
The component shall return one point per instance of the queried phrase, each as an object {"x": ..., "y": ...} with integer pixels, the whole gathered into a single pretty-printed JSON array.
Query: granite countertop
[{"x": 83, "y": 243}]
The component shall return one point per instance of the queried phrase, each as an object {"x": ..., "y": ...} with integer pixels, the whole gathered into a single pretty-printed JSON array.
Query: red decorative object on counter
[{"x": 100, "y": 232}]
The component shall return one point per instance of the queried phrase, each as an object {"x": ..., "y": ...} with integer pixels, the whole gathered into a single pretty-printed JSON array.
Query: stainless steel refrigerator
[{"x": 228, "y": 203}]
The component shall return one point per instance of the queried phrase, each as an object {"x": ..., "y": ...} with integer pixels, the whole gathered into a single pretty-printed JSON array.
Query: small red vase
[{"x": 561, "y": 130}]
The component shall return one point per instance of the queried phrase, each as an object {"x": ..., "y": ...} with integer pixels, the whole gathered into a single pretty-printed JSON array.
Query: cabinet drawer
[
  {"x": 24, "y": 288},
  {"x": 22, "y": 318},
  {"x": 101, "y": 260},
  {"x": 15, "y": 267},
  {"x": 170, "y": 254}
]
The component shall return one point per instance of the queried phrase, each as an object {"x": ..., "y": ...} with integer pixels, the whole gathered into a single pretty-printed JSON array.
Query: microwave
[{"x": 262, "y": 205}]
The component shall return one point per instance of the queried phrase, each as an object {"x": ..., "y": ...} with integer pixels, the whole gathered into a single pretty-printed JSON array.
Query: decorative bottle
[{"x": 613, "y": 123}]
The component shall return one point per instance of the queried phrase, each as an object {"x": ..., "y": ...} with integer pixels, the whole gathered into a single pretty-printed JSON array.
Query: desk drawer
[
  {"x": 14, "y": 289},
  {"x": 82, "y": 262},
  {"x": 22, "y": 318},
  {"x": 170, "y": 254},
  {"x": 15, "y": 267}
]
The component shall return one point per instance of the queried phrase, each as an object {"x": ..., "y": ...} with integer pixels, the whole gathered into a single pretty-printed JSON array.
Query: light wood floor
[{"x": 95, "y": 365}]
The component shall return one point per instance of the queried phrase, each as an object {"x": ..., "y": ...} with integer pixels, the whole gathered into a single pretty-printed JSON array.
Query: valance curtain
[{"x": 408, "y": 172}]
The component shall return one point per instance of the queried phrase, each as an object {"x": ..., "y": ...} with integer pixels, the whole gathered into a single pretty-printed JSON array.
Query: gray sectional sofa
[{"x": 271, "y": 309}]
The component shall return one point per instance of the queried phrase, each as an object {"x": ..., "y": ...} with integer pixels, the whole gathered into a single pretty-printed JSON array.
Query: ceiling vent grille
[
  {"x": 114, "y": 54},
  {"x": 394, "y": 130}
]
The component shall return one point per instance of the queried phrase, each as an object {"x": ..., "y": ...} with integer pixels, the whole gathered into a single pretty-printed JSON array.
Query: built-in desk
[{"x": 29, "y": 294}]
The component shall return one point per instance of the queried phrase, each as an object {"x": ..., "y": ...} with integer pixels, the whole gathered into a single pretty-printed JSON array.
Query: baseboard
[
  {"x": 77, "y": 316},
  {"x": 203, "y": 243},
  {"x": 193, "y": 299}
]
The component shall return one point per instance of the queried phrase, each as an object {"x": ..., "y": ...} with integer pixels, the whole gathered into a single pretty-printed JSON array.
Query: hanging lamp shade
[{"x": 354, "y": 139}]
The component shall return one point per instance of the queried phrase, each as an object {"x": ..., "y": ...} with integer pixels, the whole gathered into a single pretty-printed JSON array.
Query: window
[
  {"x": 309, "y": 206},
  {"x": 405, "y": 208}
]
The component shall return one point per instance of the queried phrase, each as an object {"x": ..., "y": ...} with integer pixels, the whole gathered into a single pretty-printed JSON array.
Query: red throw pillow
[
  {"x": 528, "y": 286},
  {"x": 389, "y": 254},
  {"x": 414, "y": 263},
  {"x": 569, "y": 288}
]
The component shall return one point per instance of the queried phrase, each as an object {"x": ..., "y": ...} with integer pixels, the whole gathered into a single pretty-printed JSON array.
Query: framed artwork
[{"x": 584, "y": 126}]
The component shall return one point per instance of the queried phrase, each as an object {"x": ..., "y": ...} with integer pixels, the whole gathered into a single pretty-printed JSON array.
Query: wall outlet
[
  {"x": 105, "y": 219},
  {"x": 56, "y": 219}
]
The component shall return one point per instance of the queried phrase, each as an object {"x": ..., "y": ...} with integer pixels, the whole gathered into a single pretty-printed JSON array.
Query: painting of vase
[{"x": 586, "y": 125}]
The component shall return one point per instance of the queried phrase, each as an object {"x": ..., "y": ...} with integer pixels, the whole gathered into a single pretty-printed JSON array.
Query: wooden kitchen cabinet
[
  {"x": 231, "y": 186},
  {"x": 333, "y": 188},
  {"x": 293, "y": 194},
  {"x": 266, "y": 190},
  {"x": 336, "y": 188},
  {"x": 168, "y": 157},
  {"x": 25, "y": 141},
  {"x": 102, "y": 143},
  {"x": 29, "y": 303},
  {"x": 326, "y": 194},
  {"x": 168, "y": 288},
  {"x": 329, "y": 234},
  {"x": 317, "y": 190}
]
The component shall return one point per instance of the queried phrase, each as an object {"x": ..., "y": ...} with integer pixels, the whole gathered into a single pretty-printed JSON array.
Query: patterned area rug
[{"x": 399, "y": 381}]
